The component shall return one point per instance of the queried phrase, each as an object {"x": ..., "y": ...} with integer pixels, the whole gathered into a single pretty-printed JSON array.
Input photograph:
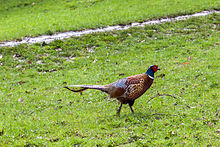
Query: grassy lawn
[
  {"x": 35, "y": 17},
  {"x": 35, "y": 111}
]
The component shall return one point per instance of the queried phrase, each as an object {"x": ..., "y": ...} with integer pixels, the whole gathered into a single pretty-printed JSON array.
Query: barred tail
[{"x": 84, "y": 87}]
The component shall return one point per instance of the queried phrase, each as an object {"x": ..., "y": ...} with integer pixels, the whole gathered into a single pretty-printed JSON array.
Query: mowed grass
[
  {"x": 19, "y": 19},
  {"x": 36, "y": 111}
]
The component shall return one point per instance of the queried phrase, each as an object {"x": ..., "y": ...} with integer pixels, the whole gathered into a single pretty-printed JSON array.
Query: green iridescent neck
[{"x": 150, "y": 73}]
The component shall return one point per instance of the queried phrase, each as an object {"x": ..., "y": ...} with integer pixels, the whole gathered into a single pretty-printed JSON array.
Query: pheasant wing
[{"x": 135, "y": 87}]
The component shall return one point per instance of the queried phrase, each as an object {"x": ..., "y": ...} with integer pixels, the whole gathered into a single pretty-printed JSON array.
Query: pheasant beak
[{"x": 158, "y": 69}]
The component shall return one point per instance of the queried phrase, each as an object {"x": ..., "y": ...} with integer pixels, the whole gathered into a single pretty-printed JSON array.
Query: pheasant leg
[
  {"x": 131, "y": 104},
  {"x": 119, "y": 110}
]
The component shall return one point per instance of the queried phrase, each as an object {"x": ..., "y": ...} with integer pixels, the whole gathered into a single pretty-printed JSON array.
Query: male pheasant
[{"x": 125, "y": 90}]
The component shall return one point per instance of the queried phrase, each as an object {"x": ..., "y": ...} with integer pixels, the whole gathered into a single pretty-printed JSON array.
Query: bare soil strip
[{"x": 63, "y": 35}]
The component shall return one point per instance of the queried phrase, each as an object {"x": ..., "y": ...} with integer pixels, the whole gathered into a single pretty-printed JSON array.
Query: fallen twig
[{"x": 161, "y": 95}]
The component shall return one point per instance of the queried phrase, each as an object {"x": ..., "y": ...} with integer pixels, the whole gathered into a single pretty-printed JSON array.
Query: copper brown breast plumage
[{"x": 125, "y": 90}]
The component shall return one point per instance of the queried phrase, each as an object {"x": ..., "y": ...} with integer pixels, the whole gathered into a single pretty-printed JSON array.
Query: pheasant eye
[{"x": 155, "y": 68}]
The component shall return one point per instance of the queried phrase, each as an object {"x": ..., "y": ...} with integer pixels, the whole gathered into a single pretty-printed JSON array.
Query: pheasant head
[{"x": 151, "y": 70}]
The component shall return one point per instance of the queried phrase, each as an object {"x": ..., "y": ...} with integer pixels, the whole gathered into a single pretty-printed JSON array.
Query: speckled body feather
[{"x": 130, "y": 88}]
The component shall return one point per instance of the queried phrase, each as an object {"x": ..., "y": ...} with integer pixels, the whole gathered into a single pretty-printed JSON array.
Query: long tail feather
[
  {"x": 75, "y": 90},
  {"x": 84, "y": 87}
]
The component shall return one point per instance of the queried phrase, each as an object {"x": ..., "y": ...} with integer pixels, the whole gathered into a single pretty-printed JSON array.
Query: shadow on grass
[{"x": 137, "y": 116}]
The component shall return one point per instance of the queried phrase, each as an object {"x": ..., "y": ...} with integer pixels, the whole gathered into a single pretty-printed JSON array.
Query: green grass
[
  {"x": 35, "y": 17},
  {"x": 34, "y": 111}
]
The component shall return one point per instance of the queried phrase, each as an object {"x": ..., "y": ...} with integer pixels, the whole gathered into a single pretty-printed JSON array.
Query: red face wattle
[{"x": 155, "y": 68}]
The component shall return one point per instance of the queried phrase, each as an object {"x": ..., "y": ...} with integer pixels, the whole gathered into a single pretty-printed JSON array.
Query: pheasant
[{"x": 125, "y": 90}]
